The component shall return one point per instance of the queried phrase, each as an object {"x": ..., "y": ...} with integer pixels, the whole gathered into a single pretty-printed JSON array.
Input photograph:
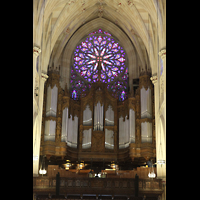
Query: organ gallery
[
  {"x": 94, "y": 116},
  {"x": 99, "y": 93}
]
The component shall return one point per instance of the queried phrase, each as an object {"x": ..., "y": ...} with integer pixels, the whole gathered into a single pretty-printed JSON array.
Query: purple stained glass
[
  {"x": 117, "y": 56},
  {"x": 116, "y": 62},
  {"x": 110, "y": 45},
  {"x": 115, "y": 50},
  {"x": 121, "y": 59},
  {"x": 77, "y": 58},
  {"x": 119, "y": 90},
  {"x": 100, "y": 31},
  {"x": 95, "y": 76},
  {"x": 115, "y": 69},
  {"x": 81, "y": 62},
  {"x": 74, "y": 94},
  {"x": 88, "y": 73},
  {"x": 109, "y": 73},
  {"x": 100, "y": 52},
  {"x": 115, "y": 45},
  {"x": 115, "y": 74},
  {"x": 122, "y": 96},
  {"x": 99, "y": 39},
  {"x": 124, "y": 77},
  {"x": 84, "y": 44},
  {"x": 83, "y": 73},
  {"x": 103, "y": 76},
  {"x": 83, "y": 68},
  {"x": 104, "y": 42},
  {"x": 73, "y": 76}
]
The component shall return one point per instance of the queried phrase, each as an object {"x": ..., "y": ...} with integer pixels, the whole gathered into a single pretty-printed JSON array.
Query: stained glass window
[
  {"x": 161, "y": 66},
  {"x": 77, "y": 86},
  {"x": 119, "y": 90},
  {"x": 100, "y": 54}
]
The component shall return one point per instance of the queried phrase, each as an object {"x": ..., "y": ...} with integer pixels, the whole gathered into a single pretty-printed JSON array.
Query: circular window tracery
[{"x": 100, "y": 57}]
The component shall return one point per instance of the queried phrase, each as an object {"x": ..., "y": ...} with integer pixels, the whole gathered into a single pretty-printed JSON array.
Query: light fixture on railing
[
  {"x": 81, "y": 165},
  {"x": 114, "y": 166},
  {"x": 68, "y": 165},
  {"x": 151, "y": 175},
  {"x": 42, "y": 171}
]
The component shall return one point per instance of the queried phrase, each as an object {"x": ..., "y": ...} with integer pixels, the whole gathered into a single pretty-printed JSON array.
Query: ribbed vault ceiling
[{"x": 56, "y": 22}]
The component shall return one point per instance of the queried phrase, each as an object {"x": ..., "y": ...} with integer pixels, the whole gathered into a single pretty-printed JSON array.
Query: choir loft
[{"x": 99, "y": 93}]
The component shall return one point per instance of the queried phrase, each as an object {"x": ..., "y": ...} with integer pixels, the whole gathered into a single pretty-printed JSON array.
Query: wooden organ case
[{"x": 107, "y": 129}]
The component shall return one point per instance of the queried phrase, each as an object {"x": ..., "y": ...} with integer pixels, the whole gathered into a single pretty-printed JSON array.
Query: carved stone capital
[
  {"x": 154, "y": 79},
  {"x": 44, "y": 77},
  {"x": 162, "y": 53},
  {"x": 36, "y": 51}
]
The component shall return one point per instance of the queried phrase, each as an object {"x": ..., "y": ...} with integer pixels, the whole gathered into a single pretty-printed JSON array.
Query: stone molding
[
  {"x": 44, "y": 76},
  {"x": 154, "y": 79},
  {"x": 162, "y": 53},
  {"x": 36, "y": 51}
]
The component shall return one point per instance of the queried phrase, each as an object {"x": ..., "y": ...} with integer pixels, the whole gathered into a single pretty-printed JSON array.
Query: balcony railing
[{"x": 96, "y": 185}]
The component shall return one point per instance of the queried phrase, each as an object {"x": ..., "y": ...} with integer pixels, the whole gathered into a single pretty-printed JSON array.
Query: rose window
[{"x": 100, "y": 58}]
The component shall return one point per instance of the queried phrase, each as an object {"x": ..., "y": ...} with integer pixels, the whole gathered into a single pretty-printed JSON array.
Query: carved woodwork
[
  {"x": 99, "y": 92},
  {"x": 50, "y": 148},
  {"x": 81, "y": 128},
  {"x": 53, "y": 79},
  {"x": 98, "y": 141},
  {"x": 138, "y": 149},
  {"x": 59, "y": 115},
  {"x": 121, "y": 186},
  {"x": 74, "y": 108},
  {"x": 144, "y": 80}
]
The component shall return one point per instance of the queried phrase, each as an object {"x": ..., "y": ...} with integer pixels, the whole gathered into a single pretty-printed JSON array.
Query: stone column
[
  {"x": 154, "y": 80},
  {"x": 162, "y": 54},
  {"x": 162, "y": 168},
  {"x": 160, "y": 121},
  {"x": 36, "y": 52},
  {"x": 37, "y": 126}
]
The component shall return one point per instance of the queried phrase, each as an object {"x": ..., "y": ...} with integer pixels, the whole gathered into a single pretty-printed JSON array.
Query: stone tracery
[{"x": 99, "y": 54}]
